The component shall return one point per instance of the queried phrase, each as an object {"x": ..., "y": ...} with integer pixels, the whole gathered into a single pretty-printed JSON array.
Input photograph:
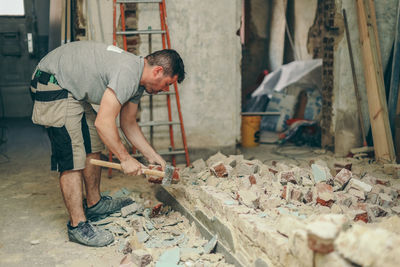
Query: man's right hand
[{"x": 131, "y": 166}]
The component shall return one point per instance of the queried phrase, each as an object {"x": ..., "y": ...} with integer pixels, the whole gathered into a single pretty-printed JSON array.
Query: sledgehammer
[{"x": 167, "y": 175}]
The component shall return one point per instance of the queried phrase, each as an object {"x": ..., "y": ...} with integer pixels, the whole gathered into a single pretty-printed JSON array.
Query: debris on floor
[
  {"x": 158, "y": 236},
  {"x": 283, "y": 213}
]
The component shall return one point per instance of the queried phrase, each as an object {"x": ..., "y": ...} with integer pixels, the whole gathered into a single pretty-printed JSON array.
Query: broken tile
[
  {"x": 142, "y": 236},
  {"x": 169, "y": 258},
  {"x": 320, "y": 173}
]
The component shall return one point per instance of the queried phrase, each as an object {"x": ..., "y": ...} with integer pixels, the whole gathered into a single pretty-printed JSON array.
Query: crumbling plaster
[{"x": 345, "y": 115}]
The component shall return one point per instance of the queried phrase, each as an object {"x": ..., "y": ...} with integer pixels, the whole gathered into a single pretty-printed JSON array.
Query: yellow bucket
[{"x": 250, "y": 125}]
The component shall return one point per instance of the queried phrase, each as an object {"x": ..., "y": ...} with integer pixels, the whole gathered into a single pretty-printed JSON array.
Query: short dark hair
[{"x": 171, "y": 62}]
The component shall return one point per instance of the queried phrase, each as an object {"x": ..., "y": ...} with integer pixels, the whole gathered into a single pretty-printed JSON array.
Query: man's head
[{"x": 163, "y": 68}]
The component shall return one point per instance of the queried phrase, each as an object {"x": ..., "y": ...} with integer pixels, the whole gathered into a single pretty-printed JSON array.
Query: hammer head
[{"x": 169, "y": 171}]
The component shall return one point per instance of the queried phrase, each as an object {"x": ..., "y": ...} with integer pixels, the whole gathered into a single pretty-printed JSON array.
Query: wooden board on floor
[{"x": 383, "y": 141}]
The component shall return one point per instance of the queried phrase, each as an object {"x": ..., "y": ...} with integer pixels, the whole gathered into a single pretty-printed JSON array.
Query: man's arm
[
  {"x": 135, "y": 135},
  {"x": 108, "y": 132}
]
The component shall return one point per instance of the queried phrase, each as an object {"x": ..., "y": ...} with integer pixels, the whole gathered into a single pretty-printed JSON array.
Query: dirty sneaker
[
  {"x": 89, "y": 235},
  {"x": 106, "y": 206}
]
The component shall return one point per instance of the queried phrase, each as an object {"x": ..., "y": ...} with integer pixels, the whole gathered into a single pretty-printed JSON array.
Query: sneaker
[
  {"x": 106, "y": 206},
  {"x": 89, "y": 235}
]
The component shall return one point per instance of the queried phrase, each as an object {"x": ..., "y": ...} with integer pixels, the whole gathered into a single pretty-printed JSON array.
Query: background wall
[{"x": 204, "y": 33}]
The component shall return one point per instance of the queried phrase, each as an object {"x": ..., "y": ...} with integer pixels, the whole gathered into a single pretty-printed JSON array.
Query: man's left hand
[{"x": 157, "y": 159}]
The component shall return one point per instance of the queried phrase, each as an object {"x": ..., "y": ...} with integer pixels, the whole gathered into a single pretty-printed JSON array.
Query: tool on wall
[{"x": 166, "y": 44}]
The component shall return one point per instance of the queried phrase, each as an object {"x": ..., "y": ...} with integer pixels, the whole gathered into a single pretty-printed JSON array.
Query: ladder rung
[
  {"x": 137, "y": 1},
  {"x": 162, "y": 152},
  {"x": 141, "y": 32},
  {"x": 162, "y": 93},
  {"x": 157, "y": 123}
]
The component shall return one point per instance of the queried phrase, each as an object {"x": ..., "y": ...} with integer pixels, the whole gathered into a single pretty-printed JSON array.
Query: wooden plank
[{"x": 383, "y": 141}]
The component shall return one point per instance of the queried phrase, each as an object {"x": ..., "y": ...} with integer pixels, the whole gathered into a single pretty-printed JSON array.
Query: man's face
[{"x": 159, "y": 81}]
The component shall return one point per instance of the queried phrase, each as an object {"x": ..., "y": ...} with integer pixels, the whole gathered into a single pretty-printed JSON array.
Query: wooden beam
[{"x": 383, "y": 141}]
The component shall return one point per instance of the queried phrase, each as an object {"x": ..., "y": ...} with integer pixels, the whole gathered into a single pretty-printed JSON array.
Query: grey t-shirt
[{"x": 87, "y": 68}]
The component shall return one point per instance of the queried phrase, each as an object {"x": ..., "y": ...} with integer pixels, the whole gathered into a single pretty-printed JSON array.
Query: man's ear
[{"x": 157, "y": 70}]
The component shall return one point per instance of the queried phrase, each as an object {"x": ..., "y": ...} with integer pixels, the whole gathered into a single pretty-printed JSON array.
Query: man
[{"x": 63, "y": 86}]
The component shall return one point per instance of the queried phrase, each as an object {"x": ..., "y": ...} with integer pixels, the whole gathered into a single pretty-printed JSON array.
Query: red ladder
[{"x": 166, "y": 43}]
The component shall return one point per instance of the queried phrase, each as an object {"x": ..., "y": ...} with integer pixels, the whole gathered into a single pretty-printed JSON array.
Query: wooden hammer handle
[{"x": 117, "y": 166}]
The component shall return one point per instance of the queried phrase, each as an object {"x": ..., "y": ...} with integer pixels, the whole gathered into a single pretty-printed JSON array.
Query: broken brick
[
  {"x": 252, "y": 179},
  {"x": 220, "y": 170},
  {"x": 283, "y": 195},
  {"x": 359, "y": 185},
  {"x": 156, "y": 209},
  {"x": 308, "y": 197},
  {"x": 325, "y": 196},
  {"x": 356, "y": 193},
  {"x": 286, "y": 177},
  {"x": 296, "y": 195},
  {"x": 362, "y": 216},
  {"x": 384, "y": 200},
  {"x": 342, "y": 177}
]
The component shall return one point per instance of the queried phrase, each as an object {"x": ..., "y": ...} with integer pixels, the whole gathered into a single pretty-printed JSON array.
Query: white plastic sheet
[{"x": 307, "y": 71}]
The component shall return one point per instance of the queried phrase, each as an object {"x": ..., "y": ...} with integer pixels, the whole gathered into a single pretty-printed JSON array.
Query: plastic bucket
[{"x": 250, "y": 125}]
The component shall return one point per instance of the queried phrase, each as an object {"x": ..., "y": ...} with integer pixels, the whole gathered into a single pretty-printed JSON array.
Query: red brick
[
  {"x": 252, "y": 179},
  {"x": 325, "y": 195},
  {"x": 220, "y": 170},
  {"x": 361, "y": 217},
  {"x": 283, "y": 196}
]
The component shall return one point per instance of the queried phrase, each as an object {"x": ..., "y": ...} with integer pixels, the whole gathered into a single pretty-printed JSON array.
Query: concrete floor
[{"x": 32, "y": 208}]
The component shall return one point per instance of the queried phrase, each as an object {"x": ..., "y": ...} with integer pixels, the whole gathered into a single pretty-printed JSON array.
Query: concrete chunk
[
  {"x": 141, "y": 258},
  {"x": 127, "y": 210}
]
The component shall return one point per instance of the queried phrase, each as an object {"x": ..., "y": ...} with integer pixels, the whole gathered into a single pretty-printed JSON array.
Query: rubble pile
[
  {"x": 158, "y": 236},
  {"x": 316, "y": 209}
]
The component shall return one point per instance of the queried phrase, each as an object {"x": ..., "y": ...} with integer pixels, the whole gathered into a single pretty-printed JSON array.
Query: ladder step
[
  {"x": 137, "y": 1},
  {"x": 163, "y": 152},
  {"x": 162, "y": 93},
  {"x": 140, "y": 32},
  {"x": 157, "y": 123}
]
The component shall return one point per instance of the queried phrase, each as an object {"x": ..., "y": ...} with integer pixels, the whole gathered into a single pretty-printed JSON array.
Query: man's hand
[
  {"x": 157, "y": 159},
  {"x": 131, "y": 166}
]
